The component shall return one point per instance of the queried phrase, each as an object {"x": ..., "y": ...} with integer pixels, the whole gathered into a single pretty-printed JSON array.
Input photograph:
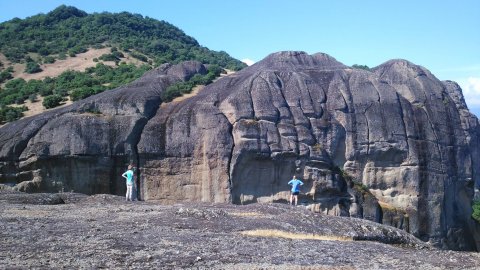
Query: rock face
[{"x": 393, "y": 145}]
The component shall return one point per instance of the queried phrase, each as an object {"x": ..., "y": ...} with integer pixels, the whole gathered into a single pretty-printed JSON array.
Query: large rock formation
[{"x": 394, "y": 145}]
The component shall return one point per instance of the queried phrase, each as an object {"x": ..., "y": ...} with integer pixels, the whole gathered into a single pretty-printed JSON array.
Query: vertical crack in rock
[
  {"x": 427, "y": 185},
  {"x": 250, "y": 94},
  {"x": 404, "y": 125},
  {"x": 281, "y": 89},
  {"x": 368, "y": 127},
  {"x": 230, "y": 157},
  {"x": 432, "y": 124}
]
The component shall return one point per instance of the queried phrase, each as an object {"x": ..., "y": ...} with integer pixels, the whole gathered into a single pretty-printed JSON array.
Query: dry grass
[
  {"x": 245, "y": 214},
  {"x": 286, "y": 266},
  {"x": 194, "y": 92},
  {"x": 296, "y": 236},
  {"x": 25, "y": 213},
  {"x": 386, "y": 206},
  {"x": 37, "y": 107},
  {"x": 80, "y": 62}
]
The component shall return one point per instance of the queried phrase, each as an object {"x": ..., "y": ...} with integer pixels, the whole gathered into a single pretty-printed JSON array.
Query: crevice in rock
[
  {"x": 368, "y": 127},
  {"x": 250, "y": 94},
  {"x": 134, "y": 138},
  {"x": 404, "y": 125},
  {"x": 230, "y": 157},
  {"x": 437, "y": 142},
  {"x": 281, "y": 87},
  {"x": 23, "y": 145}
]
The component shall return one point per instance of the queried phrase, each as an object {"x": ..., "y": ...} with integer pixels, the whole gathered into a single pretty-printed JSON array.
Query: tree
[
  {"x": 8, "y": 114},
  {"x": 364, "y": 67},
  {"x": 82, "y": 93},
  {"x": 476, "y": 211},
  {"x": 32, "y": 67},
  {"x": 49, "y": 60},
  {"x": 5, "y": 75},
  {"x": 109, "y": 57},
  {"x": 52, "y": 101}
]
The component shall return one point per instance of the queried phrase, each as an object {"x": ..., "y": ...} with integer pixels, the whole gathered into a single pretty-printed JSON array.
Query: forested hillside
[{"x": 126, "y": 45}]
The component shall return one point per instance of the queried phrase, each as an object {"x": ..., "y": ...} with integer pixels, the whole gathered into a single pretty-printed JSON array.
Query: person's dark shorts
[{"x": 296, "y": 193}]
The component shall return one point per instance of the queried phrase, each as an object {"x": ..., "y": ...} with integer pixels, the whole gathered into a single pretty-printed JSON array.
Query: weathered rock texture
[
  {"x": 393, "y": 145},
  {"x": 104, "y": 231}
]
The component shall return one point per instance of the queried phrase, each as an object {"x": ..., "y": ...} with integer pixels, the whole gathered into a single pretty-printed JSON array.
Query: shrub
[
  {"x": 180, "y": 88},
  {"x": 43, "y": 51},
  {"x": 8, "y": 114},
  {"x": 118, "y": 54},
  {"x": 47, "y": 91},
  {"x": 62, "y": 56},
  {"x": 49, "y": 60},
  {"x": 139, "y": 56},
  {"x": 52, "y": 101},
  {"x": 77, "y": 50},
  {"x": 32, "y": 67},
  {"x": 84, "y": 92},
  {"x": 476, "y": 211},
  {"x": 109, "y": 57},
  {"x": 364, "y": 67},
  {"x": 5, "y": 75},
  {"x": 32, "y": 98}
]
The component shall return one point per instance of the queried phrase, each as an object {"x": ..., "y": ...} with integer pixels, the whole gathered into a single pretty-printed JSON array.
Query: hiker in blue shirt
[
  {"x": 295, "y": 183},
  {"x": 128, "y": 175}
]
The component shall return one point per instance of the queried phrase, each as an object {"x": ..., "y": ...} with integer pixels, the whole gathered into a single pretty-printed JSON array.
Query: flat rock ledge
[{"x": 69, "y": 230}]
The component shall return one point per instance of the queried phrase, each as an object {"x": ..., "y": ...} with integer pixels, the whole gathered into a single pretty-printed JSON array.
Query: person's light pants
[{"x": 129, "y": 192}]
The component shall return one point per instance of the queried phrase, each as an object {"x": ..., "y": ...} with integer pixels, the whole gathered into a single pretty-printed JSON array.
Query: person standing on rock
[
  {"x": 128, "y": 175},
  {"x": 295, "y": 183}
]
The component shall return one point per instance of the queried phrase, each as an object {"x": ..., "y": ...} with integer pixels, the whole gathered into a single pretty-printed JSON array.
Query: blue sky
[{"x": 441, "y": 35}]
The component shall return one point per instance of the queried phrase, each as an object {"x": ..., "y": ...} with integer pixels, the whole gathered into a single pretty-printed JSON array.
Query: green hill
[
  {"x": 121, "y": 47},
  {"x": 70, "y": 30}
]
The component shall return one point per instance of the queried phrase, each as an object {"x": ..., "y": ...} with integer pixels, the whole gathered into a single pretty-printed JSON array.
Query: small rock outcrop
[{"x": 393, "y": 145}]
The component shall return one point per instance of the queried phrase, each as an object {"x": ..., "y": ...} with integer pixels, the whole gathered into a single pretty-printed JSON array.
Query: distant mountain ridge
[{"x": 70, "y": 30}]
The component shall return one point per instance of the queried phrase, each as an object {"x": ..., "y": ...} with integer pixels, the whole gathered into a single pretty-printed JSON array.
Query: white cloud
[
  {"x": 247, "y": 61},
  {"x": 474, "y": 85},
  {"x": 470, "y": 86},
  {"x": 471, "y": 91}
]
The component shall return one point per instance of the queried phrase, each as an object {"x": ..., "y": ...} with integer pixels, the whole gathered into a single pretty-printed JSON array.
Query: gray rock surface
[
  {"x": 104, "y": 231},
  {"x": 394, "y": 145}
]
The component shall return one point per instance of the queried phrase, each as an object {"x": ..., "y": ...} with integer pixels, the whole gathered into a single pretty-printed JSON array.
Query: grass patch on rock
[{"x": 295, "y": 236}]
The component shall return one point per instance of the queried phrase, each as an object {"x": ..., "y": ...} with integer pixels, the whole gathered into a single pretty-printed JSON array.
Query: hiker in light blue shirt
[
  {"x": 130, "y": 183},
  {"x": 295, "y": 183}
]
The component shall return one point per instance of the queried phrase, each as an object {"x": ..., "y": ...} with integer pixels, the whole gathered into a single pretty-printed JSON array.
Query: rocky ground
[{"x": 69, "y": 230}]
